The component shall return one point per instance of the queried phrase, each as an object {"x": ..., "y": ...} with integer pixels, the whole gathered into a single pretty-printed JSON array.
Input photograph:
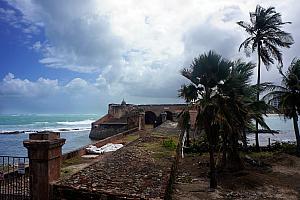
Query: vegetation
[
  {"x": 225, "y": 100},
  {"x": 161, "y": 147},
  {"x": 73, "y": 161},
  {"x": 226, "y": 105},
  {"x": 130, "y": 138},
  {"x": 284, "y": 147},
  {"x": 169, "y": 144},
  {"x": 289, "y": 94},
  {"x": 266, "y": 37}
]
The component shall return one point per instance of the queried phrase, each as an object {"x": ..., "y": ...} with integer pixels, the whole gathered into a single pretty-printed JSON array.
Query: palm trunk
[
  {"x": 257, "y": 96},
  {"x": 210, "y": 133},
  {"x": 245, "y": 146},
  {"x": 213, "y": 176},
  {"x": 188, "y": 136},
  {"x": 224, "y": 156},
  {"x": 296, "y": 128},
  {"x": 234, "y": 161}
]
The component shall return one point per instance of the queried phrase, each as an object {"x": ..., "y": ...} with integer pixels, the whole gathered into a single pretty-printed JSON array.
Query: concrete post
[
  {"x": 141, "y": 121},
  {"x": 44, "y": 152},
  {"x": 163, "y": 117}
]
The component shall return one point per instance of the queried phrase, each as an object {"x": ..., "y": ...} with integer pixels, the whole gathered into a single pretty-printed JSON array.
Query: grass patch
[
  {"x": 158, "y": 134},
  {"x": 169, "y": 144},
  {"x": 161, "y": 149},
  {"x": 130, "y": 138},
  {"x": 73, "y": 161},
  {"x": 65, "y": 172}
]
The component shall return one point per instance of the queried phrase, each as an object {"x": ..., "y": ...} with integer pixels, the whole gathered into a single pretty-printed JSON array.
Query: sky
[{"x": 74, "y": 56}]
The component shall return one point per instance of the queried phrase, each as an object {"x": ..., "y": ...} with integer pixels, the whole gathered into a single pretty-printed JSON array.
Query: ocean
[
  {"x": 278, "y": 123},
  {"x": 75, "y": 128}
]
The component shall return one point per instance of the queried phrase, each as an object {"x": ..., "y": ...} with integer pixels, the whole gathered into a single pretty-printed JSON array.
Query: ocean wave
[
  {"x": 54, "y": 129},
  {"x": 83, "y": 122},
  {"x": 41, "y": 122}
]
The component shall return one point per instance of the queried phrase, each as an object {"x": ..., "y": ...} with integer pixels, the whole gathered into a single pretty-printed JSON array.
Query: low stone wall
[
  {"x": 82, "y": 150},
  {"x": 144, "y": 169},
  {"x": 100, "y": 133},
  {"x": 174, "y": 168}
]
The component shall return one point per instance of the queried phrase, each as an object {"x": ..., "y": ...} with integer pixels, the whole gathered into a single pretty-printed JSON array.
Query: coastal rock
[{"x": 11, "y": 132}]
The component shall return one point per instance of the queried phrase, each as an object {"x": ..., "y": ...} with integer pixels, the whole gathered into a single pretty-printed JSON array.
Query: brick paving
[{"x": 140, "y": 170}]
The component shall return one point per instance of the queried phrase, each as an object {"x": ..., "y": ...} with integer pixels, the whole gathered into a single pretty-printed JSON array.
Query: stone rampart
[
  {"x": 103, "y": 132},
  {"x": 126, "y": 116},
  {"x": 82, "y": 150},
  {"x": 141, "y": 170}
]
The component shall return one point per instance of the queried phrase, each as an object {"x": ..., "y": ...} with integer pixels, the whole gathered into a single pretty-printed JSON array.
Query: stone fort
[{"x": 122, "y": 117}]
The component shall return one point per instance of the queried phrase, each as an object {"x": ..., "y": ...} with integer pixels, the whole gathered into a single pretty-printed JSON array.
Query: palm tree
[
  {"x": 237, "y": 109},
  {"x": 204, "y": 74},
  {"x": 289, "y": 94},
  {"x": 266, "y": 37},
  {"x": 221, "y": 89}
]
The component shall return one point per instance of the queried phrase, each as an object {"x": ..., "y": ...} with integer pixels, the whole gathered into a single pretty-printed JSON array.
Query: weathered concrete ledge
[
  {"x": 141, "y": 170},
  {"x": 82, "y": 150}
]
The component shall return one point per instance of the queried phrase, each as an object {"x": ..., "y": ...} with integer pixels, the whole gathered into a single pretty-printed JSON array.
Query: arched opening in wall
[
  {"x": 150, "y": 118},
  {"x": 158, "y": 121},
  {"x": 169, "y": 115}
]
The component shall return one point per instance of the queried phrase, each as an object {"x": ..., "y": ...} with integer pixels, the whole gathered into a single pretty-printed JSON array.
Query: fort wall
[{"x": 121, "y": 117}]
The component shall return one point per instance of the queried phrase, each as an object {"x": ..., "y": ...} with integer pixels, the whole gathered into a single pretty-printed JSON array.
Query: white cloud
[
  {"x": 11, "y": 86},
  {"x": 136, "y": 48},
  {"x": 36, "y": 46},
  {"x": 46, "y": 95},
  {"x": 78, "y": 36},
  {"x": 18, "y": 21},
  {"x": 77, "y": 85}
]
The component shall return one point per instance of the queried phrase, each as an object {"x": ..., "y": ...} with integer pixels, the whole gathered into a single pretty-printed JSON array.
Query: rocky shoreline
[
  {"x": 13, "y": 132},
  {"x": 35, "y": 131},
  {"x": 265, "y": 131}
]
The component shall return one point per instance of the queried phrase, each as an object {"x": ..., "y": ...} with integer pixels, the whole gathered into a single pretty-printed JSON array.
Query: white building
[{"x": 275, "y": 102}]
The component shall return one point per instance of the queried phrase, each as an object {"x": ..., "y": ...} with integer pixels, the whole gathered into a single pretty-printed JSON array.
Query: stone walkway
[{"x": 140, "y": 170}]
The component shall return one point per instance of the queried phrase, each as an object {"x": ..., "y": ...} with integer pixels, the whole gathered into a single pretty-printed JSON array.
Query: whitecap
[{"x": 83, "y": 122}]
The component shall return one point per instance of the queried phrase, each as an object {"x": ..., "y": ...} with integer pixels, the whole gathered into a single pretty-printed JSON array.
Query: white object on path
[{"x": 106, "y": 148}]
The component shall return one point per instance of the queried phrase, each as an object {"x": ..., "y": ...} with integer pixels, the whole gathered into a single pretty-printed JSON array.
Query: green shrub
[
  {"x": 169, "y": 144},
  {"x": 285, "y": 147},
  {"x": 289, "y": 148},
  {"x": 199, "y": 146}
]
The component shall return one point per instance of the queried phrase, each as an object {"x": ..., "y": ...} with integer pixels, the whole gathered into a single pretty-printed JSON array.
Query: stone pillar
[
  {"x": 44, "y": 152},
  {"x": 163, "y": 117},
  {"x": 141, "y": 121}
]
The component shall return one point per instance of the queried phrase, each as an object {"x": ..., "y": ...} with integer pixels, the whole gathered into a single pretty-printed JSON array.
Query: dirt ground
[{"x": 279, "y": 180}]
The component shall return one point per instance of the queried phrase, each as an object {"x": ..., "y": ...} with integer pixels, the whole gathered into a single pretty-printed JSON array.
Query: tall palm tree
[
  {"x": 204, "y": 74},
  {"x": 289, "y": 94},
  {"x": 266, "y": 37}
]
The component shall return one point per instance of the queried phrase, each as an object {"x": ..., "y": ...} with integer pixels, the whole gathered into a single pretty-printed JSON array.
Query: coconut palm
[
  {"x": 289, "y": 94},
  {"x": 266, "y": 37}
]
